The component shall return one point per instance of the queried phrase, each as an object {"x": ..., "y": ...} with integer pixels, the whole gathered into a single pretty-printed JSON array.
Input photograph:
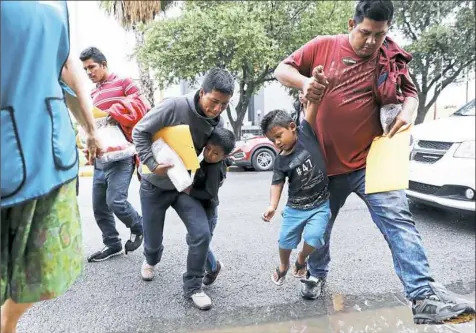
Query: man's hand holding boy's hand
[
  {"x": 268, "y": 215},
  {"x": 315, "y": 86}
]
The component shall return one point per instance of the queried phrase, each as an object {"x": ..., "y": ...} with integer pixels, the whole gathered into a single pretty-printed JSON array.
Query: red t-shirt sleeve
[
  {"x": 313, "y": 53},
  {"x": 407, "y": 87},
  {"x": 304, "y": 58}
]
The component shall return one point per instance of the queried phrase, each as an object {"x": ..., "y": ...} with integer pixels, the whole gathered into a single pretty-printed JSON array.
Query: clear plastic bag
[
  {"x": 114, "y": 144},
  {"x": 388, "y": 114},
  {"x": 178, "y": 174}
]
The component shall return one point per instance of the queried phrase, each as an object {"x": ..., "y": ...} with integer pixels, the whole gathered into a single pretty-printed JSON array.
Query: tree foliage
[
  {"x": 441, "y": 37},
  {"x": 249, "y": 38},
  {"x": 130, "y": 14}
]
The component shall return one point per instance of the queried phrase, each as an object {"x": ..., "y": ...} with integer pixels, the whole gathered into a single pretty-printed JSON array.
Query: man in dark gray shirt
[{"x": 201, "y": 111}]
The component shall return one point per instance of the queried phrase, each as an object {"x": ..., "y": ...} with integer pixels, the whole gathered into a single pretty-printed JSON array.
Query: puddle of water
[
  {"x": 345, "y": 319},
  {"x": 387, "y": 320}
]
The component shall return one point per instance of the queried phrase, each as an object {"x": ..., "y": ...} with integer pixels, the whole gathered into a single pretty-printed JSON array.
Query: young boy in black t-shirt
[
  {"x": 300, "y": 160},
  {"x": 206, "y": 182}
]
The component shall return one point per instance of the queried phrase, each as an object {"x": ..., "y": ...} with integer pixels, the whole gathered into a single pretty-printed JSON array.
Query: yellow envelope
[
  {"x": 97, "y": 113},
  {"x": 73, "y": 104},
  {"x": 388, "y": 163},
  {"x": 180, "y": 140}
]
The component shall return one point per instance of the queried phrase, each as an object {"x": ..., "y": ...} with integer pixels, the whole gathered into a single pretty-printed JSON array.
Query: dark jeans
[
  {"x": 390, "y": 212},
  {"x": 110, "y": 191},
  {"x": 155, "y": 202},
  {"x": 212, "y": 216}
]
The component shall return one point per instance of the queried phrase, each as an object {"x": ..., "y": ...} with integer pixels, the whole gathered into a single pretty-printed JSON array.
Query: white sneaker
[
  {"x": 201, "y": 300},
  {"x": 147, "y": 271}
]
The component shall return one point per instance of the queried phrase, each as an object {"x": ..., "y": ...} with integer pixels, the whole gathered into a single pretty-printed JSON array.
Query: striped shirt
[
  {"x": 122, "y": 100},
  {"x": 113, "y": 90}
]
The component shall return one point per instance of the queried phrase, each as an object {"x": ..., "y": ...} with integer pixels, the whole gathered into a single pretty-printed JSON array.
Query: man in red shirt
[
  {"x": 347, "y": 123},
  {"x": 122, "y": 100}
]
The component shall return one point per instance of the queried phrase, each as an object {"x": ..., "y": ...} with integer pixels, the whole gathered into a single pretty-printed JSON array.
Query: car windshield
[{"x": 467, "y": 110}]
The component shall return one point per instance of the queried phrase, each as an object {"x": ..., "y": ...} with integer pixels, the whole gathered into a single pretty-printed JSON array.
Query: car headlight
[
  {"x": 466, "y": 150},
  {"x": 238, "y": 155}
]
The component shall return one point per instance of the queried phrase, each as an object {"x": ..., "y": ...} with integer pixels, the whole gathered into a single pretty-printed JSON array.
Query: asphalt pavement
[{"x": 111, "y": 297}]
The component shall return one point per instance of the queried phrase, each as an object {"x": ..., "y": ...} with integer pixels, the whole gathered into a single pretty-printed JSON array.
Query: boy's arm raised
[{"x": 311, "y": 109}]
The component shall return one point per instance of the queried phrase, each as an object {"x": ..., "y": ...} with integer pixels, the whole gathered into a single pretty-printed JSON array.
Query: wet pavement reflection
[{"x": 358, "y": 315}]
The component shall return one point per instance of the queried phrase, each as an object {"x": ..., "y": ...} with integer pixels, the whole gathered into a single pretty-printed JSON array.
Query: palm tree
[{"x": 131, "y": 13}]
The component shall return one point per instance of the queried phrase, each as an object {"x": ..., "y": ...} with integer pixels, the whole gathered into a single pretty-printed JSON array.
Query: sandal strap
[
  {"x": 300, "y": 266},
  {"x": 281, "y": 274}
]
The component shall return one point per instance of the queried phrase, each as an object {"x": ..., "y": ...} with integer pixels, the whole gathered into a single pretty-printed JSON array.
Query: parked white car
[{"x": 442, "y": 161}]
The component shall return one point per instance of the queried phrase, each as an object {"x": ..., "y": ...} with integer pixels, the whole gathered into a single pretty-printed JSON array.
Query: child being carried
[{"x": 206, "y": 182}]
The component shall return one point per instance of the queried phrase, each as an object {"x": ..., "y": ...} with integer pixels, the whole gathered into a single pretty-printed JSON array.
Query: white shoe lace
[{"x": 313, "y": 279}]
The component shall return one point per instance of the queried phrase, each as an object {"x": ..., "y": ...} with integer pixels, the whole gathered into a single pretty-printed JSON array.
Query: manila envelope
[
  {"x": 388, "y": 163},
  {"x": 97, "y": 113},
  {"x": 73, "y": 103},
  {"x": 180, "y": 140}
]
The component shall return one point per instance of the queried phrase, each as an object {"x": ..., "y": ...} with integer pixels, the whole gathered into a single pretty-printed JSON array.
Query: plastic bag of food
[
  {"x": 178, "y": 174},
  {"x": 114, "y": 145}
]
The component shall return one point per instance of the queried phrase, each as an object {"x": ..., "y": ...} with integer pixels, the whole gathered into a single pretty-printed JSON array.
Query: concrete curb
[{"x": 86, "y": 171}]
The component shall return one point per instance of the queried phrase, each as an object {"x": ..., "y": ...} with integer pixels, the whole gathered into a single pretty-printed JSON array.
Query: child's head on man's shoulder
[
  {"x": 219, "y": 145},
  {"x": 279, "y": 127}
]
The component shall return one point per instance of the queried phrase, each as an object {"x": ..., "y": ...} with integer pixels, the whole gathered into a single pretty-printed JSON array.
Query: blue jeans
[
  {"x": 212, "y": 216},
  {"x": 110, "y": 191},
  {"x": 391, "y": 214},
  {"x": 155, "y": 202}
]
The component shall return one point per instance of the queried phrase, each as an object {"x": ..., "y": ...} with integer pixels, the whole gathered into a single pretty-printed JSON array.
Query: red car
[{"x": 257, "y": 153}]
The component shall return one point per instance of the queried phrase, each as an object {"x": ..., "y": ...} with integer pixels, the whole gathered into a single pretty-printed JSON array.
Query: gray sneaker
[
  {"x": 432, "y": 310},
  {"x": 147, "y": 271},
  {"x": 201, "y": 300},
  {"x": 439, "y": 306},
  {"x": 312, "y": 287}
]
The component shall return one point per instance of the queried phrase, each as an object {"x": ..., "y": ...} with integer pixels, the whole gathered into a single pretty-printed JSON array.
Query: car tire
[{"x": 263, "y": 159}]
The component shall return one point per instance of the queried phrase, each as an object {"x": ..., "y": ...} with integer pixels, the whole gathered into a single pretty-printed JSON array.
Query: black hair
[
  {"x": 220, "y": 80},
  {"x": 377, "y": 10},
  {"x": 94, "y": 54},
  {"x": 279, "y": 118},
  {"x": 223, "y": 138}
]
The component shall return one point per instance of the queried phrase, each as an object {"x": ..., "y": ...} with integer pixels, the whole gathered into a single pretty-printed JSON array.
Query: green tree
[
  {"x": 130, "y": 14},
  {"x": 441, "y": 36},
  {"x": 249, "y": 38}
]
